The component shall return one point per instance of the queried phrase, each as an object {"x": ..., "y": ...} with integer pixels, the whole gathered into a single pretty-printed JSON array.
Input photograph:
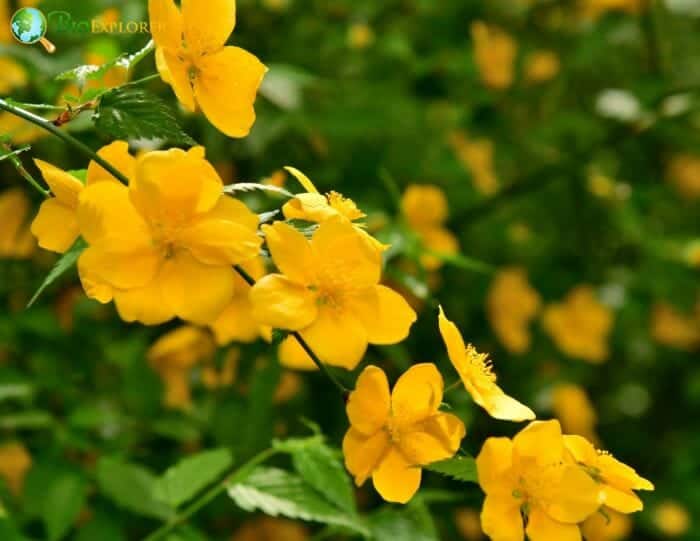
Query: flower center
[{"x": 481, "y": 364}]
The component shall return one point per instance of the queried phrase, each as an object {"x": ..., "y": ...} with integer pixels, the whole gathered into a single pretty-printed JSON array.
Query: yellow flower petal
[
  {"x": 196, "y": 292},
  {"x": 542, "y": 528},
  {"x": 303, "y": 179},
  {"x": 13, "y": 75},
  {"x": 123, "y": 270},
  {"x": 233, "y": 210},
  {"x": 55, "y": 226},
  {"x": 220, "y": 242},
  {"x": 290, "y": 252},
  {"x": 454, "y": 342},
  {"x": 424, "y": 205},
  {"x": 619, "y": 474},
  {"x": 172, "y": 187},
  {"x": 540, "y": 440},
  {"x": 369, "y": 404},
  {"x": 440, "y": 241},
  {"x": 501, "y": 520},
  {"x": 235, "y": 323},
  {"x": 575, "y": 497},
  {"x": 293, "y": 356},
  {"x": 337, "y": 338},
  {"x": 494, "y": 463},
  {"x": 282, "y": 304},
  {"x": 581, "y": 449},
  {"x": 145, "y": 304},
  {"x": 116, "y": 154},
  {"x": 395, "y": 479},
  {"x": 501, "y": 406},
  {"x": 225, "y": 87},
  {"x": 64, "y": 186},
  {"x": 622, "y": 501},
  {"x": 181, "y": 348},
  {"x": 207, "y": 25},
  {"x": 166, "y": 23},
  {"x": 363, "y": 454},
  {"x": 417, "y": 394},
  {"x": 386, "y": 315},
  {"x": 176, "y": 73},
  {"x": 437, "y": 438},
  {"x": 312, "y": 207}
]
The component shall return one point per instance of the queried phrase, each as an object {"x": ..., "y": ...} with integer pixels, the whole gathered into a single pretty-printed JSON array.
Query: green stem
[
  {"x": 304, "y": 345},
  {"x": 38, "y": 106},
  {"x": 48, "y": 126},
  {"x": 12, "y": 156},
  {"x": 142, "y": 80},
  {"x": 231, "y": 479},
  {"x": 452, "y": 386}
]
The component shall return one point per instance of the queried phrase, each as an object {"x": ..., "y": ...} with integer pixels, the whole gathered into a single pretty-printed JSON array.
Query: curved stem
[
  {"x": 51, "y": 128},
  {"x": 304, "y": 345},
  {"x": 232, "y": 478}
]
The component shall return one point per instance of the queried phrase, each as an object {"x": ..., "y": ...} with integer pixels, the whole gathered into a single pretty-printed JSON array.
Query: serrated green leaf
[
  {"x": 244, "y": 187},
  {"x": 412, "y": 523},
  {"x": 63, "y": 500},
  {"x": 62, "y": 265},
  {"x": 278, "y": 493},
  {"x": 133, "y": 113},
  {"x": 458, "y": 468},
  {"x": 184, "y": 480},
  {"x": 130, "y": 486}
]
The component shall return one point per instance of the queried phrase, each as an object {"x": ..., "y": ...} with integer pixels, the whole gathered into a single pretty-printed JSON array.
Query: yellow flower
[
  {"x": 574, "y": 410},
  {"x": 19, "y": 130},
  {"x": 511, "y": 304},
  {"x": 541, "y": 66},
  {"x": 215, "y": 378},
  {"x": 476, "y": 155},
  {"x": 580, "y": 325},
  {"x": 328, "y": 289},
  {"x": 56, "y": 225},
  {"x": 494, "y": 54},
  {"x": 468, "y": 524},
  {"x": 425, "y": 209},
  {"x": 16, "y": 241},
  {"x": 529, "y": 476},
  {"x": 611, "y": 526},
  {"x": 13, "y": 75},
  {"x": 618, "y": 481},
  {"x": 15, "y": 462},
  {"x": 360, "y": 36},
  {"x": 476, "y": 371},
  {"x": 683, "y": 173},
  {"x": 163, "y": 247},
  {"x": 392, "y": 435},
  {"x": 671, "y": 518},
  {"x": 191, "y": 56},
  {"x": 173, "y": 355},
  {"x": 236, "y": 323},
  {"x": 675, "y": 329},
  {"x": 271, "y": 529},
  {"x": 288, "y": 387}
]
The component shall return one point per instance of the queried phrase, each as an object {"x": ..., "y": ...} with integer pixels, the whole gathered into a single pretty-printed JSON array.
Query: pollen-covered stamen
[
  {"x": 481, "y": 363},
  {"x": 344, "y": 206}
]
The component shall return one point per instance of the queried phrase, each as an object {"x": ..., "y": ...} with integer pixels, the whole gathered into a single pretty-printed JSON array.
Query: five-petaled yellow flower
[
  {"x": 618, "y": 480},
  {"x": 392, "y": 435},
  {"x": 191, "y": 56},
  {"x": 528, "y": 481},
  {"x": 328, "y": 289},
  {"x": 476, "y": 371},
  {"x": 56, "y": 225},
  {"x": 164, "y": 246}
]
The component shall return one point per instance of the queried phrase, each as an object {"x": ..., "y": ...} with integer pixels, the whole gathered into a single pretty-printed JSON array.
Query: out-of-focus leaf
[
  {"x": 31, "y": 419},
  {"x": 458, "y": 468},
  {"x": 412, "y": 523},
  {"x": 62, "y": 265},
  {"x": 63, "y": 500},
  {"x": 10, "y": 391},
  {"x": 93, "y": 71},
  {"x": 184, "y": 480},
  {"x": 283, "y": 85}
]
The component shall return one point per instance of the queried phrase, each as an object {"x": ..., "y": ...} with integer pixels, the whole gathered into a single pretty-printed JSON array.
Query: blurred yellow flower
[
  {"x": 192, "y": 58},
  {"x": 16, "y": 241},
  {"x": 56, "y": 225},
  {"x": 468, "y": 524},
  {"x": 271, "y": 529},
  {"x": 236, "y": 322},
  {"x": 13, "y": 75},
  {"x": 580, "y": 325},
  {"x": 618, "y": 480},
  {"x": 541, "y": 66},
  {"x": 19, "y": 130},
  {"x": 425, "y": 209},
  {"x": 592, "y": 9},
  {"x": 476, "y": 372},
  {"x": 173, "y": 355},
  {"x": 476, "y": 155},
  {"x": 611, "y": 526},
  {"x": 574, "y": 410},
  {"x": 494, "y": 54},
  {"x": 329, "y": 290},
  {"x": 511, "y": 304},
  {"x": 224, "y": 376},
  {"x": 360, "y": 36},
  {"x": 289, "y": 386},
  {"x": 675, "y": 329},
  {"x": 529, "y": 475},
  {"x": 164, "y": 246},
  {"x": 15, "y": 462},
  {"x": 392, "y": 435},
  {"x": 671, "y": 518},
  {"x": 683, "y": 173}
]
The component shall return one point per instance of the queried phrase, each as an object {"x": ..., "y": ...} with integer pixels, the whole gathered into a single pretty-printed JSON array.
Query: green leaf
[
  {"x": 412, "y": 523},
  {"x": 244, "y": 187},
  {"x": 130, "y": 486},
  {"x": 184, "y": 480},
  {"x": 16, "y": 391},
  {"x": 63, "y": 500},
  {"x": 458, "y": 468},
  {"x": 276, "y": 492},
  {"x": 30, "y": 419},
  {"x": 126, "y": 61},
  {"x": 283, "y": 85},
  {"x": 62, "y": 265},
  {"x": 133, "y": 113}
]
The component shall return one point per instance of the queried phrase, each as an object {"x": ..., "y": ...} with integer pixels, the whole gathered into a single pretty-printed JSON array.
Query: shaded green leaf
[
  {"x": 63, "y": 500},
  {"x": 412, "y": 523},
  {"x": 461, "y": 468},
  {"x": 65, "y": 263}
]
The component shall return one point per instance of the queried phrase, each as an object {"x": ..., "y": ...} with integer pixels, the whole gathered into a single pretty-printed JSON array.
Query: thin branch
[{"x": 12, "y": 156}]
